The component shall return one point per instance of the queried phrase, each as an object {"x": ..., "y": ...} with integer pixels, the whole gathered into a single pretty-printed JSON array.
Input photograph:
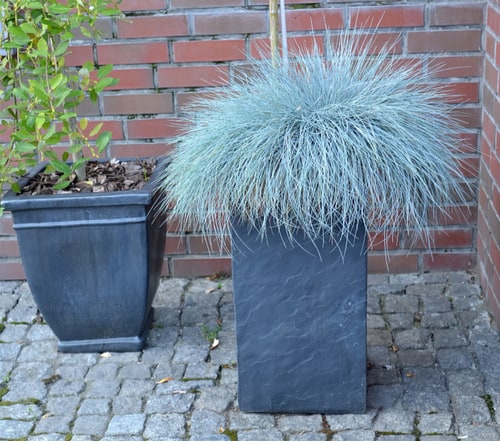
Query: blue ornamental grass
[{"x": 320, "y": 144}]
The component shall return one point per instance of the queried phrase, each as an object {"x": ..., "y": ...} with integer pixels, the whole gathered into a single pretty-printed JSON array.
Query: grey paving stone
[
  {"x": 400, "y": 321},
  {"x": 54, "y": 424},
  {"x": 50, "y": 437},
  {"x": 34, "y": 371},
  {"x": 474, "y": 319},
  {"x": 20, "y": 411},
  {"x": 478, "y": 432},
  {"x": 169, "y": 403},
  {"x": 217, "y": 399},
  {"x": 383, "y": 376},
  {"x": 355, "y": 435},
  {"x": 414, "y": 338},
  {"x": 455, "y": 359},
  {"x": 379, "y": 337},
  {"x": 78, "y": 359},
  {"x": 470, "y": 410},
  {"x": 248, "y": 421},
  {"x": 66, "y": 388},
  {"x": 102, "y": 371},
  {"x": 9, "y": 351},
  {"x": 439, "y": 320},
  {"x": 394, "y": 421},
  {"x": 126, "y": 424},
  {"x": 384, "y": 396},
  {"x": 103, "y": 388},
  {"x": 431, "y": 289},
  {"x": 269, "y": 434},
  {"x": 39, "y": 332},
  {"x": 402, "y": 437},
  {"x": 385, "y": 289},
  {"x": 14, "y": 429},
  {"x": 297, "y": 423},
  {"x": 439, "y": 437},
  {"x": 423, "y": 378},
  {"x": 137, "y": 387},
  {"x": 416, "y": 358},
  {"x": 138, "y": 370},
  {"x": 436, "y": 304},
  {"x": 205, "y": 423},
  {"x": 461, "y": 290},
  {"x": 306, "y": 435},
  {"x": 373, "y": 304},
  {"x": 489, "y": 358},
  {"x": 62, "y": 404},
  {"x": 449, "y": 338},
  {"x": 38, "y": 351},
  {"x": 14, "y": 332},
  {"x": 427, "y": 401},
  {"x": 127, "y": 405},
  {"x": 201, "y": 370},
  {"x": 22, "y": 390},
  {"x": 379, "y": 355},
  {"x": 170, "y": 426},
  {"x": 400, "y": 304},
  {"x": 436, "y": 423},
  {"x": 94, "y": 424},
  {"x": 483, "y": 337},
  {"x": 94, "y": 406},
  {"x": 465, "y": 382},
  {"x": 343, "y": 422}
]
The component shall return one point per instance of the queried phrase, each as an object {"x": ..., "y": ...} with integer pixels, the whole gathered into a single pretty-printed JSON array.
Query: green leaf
[
  {"x": 103, "y": 71},
  {"x": 62, "y": 184},
  {"x": 62, "y": 166},
  {"x": 40, "y": 121},
  {"x": 103, "y": 140},
  {"x": 84, "y": 122},
  {"x": 96, "y": 129}
]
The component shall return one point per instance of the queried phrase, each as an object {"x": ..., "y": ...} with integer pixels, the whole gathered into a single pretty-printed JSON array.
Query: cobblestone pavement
[{"x": 433, "y": 374}]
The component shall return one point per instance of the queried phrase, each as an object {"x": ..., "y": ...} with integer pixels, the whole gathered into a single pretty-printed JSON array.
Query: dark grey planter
[
  {"x": 93, "y": 263},
  {"x": 300, "y": 324}
]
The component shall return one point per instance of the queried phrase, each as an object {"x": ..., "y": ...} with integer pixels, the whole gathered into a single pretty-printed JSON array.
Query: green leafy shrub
[
  {"x": 40, "y": 94},
  {"x": 318, "y": 145}
]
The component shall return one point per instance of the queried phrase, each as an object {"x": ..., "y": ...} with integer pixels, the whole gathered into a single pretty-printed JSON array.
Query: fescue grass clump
[{"x": 321, "y": 144}]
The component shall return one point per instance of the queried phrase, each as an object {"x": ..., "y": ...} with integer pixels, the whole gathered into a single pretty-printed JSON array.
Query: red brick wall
[
  {"x": 168, "y": 51},
  {"x": 488, "y": 237}
]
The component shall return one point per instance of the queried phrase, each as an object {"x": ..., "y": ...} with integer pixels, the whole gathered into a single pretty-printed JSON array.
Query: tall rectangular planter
[{"x": 300, "y": 323}]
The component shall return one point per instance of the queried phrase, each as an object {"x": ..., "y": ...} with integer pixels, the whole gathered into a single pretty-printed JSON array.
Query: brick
[
  {"x": 134, "y": 149},
  {"x": 386, "y": 16},
  {"x": 454, "y": 215},
  {"x": 153, "y": 128},
  {"x": 208, "y": 50},
  {"x": 455, "y": 14},
  {"x": 230, "y": 23},
  {"x": 393, "y": 263},
  {"x": 193, "y": 266},
  {"x": 469, "y": 117},
  {"x": 175, "y": 245},
  {"x": 462, "y": 92},
  {"x": 78, "y": 55},
  {"x": 187, "y": 100},
  {"x": 11, "y": 270},
  {"x": 9, "y": 248},
  {"x": 444, "y": 41},
  {"x": 375, "y": 42},
  {"x": 260, "y": 47},
  {"x": 133, "y": 78},
  {"x": 199, "y": 244},
  {"x": 448, "y": 238},
  {"x": 153, "y": 26},
  {"x": 379, "y": 241},
  {"x": 115, "y": 127},
  {"x": 133, "y": 53},
  {"x": 451, "y": 261},
  {"x": 469, "y": 166},
  {"x": 314, "y": 19},
  {"x": 6, "y": 225},
  {"x": 141, "y": 5},
  {"x": 192, "y": 76},
  {"x": 205, "y": 3},
  {"x": 493, "y": 20},
  {"x": 146, "y": 103},
  {"x": 457, "y": 65}
]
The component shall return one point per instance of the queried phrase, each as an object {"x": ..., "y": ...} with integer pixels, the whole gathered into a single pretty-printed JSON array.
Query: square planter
[{"x": 300, "y": 323}]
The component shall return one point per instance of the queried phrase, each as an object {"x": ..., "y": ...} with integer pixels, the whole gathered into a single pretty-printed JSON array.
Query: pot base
[{"x": 122, "y": 344}]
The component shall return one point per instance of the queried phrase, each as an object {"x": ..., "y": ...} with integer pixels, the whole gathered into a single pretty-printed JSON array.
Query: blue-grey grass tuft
[{"x": 321, "y": 144}]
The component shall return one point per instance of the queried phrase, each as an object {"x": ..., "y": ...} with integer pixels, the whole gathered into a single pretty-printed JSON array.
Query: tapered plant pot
[
  {"x": 93, "y": 263},
  {"x": 300, "y": 323}
]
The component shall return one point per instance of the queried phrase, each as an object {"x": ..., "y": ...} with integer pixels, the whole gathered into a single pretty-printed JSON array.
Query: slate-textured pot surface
[
  {"x": 300, "y": 324},
  {"x": 93, "y": 263}
]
